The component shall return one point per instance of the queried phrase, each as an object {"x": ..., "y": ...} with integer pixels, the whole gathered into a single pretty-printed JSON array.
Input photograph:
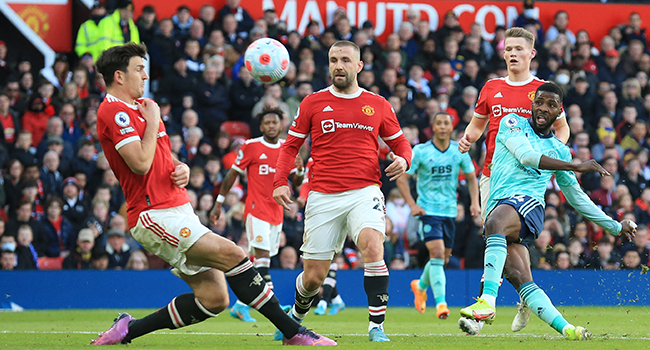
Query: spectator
[
  {"x": 531, "y": 17},
  {"x": 8, "y": 259},
  {"x": 59, "y": 230},
  {"x": 633, "y": 30},
  {"x": 194, "y": 61},
  {"x": 560, "y": 26},
  {"x": 612, "y": 71},
  {"x": 9, "y": 122},
  {"x": 576, "y": 250},
  {"x": 213, "y": 101},
  {"x": 100, "y": 260},
  {"x": 81, "y": 257},
  {"x": 75, "y": 209},
  {"x": 207, "y": 15},
  {"x": 603, "y": 259},
  {"x": 639, "y": 245},
  {"x": 85, "y": 160},
  {"x": 178, "y": 82},
  {"x": 137, "y": 261},
  {"x": 631, "y": 260},
  {"x": 88, "y": 35},
  {"x": 51, "y": 178},
  {"x": 244, "y": 20},
  {"x": 244, "y": 94},
  {"x": 25, "y": 250},
  {"x": 118, "y": 28},
  {"x": 17, "y": 102},
  {"x": 164, "y": 48},
  {"x": 233, "y": 36},
  {"x": 117, "y": 249},
  {"x": 59, "y": 73},
  {"x": 288, "y": 258},
  {"x": 562, "y": 261},
  {"x": 541, "y": 255},
  {"x": 35, "y": 119},
  {"x": 147, "y": 24}
]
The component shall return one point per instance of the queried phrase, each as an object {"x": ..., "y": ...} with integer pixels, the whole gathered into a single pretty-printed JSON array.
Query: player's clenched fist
[{"x": 464, "y": 144}]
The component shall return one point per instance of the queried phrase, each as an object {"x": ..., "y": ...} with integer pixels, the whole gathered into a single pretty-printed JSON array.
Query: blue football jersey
[
  {"x": 510, "y": 177},
  {"x": 437, "y": 176}
]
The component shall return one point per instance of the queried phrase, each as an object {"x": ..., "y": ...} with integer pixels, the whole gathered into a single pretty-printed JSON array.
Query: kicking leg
[
  {"x": 503, "y": 222},
  {"x": 262, "y": 264},
  {"x": 518, "y": 272}
]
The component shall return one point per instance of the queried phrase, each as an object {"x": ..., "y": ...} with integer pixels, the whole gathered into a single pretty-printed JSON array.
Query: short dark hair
[
  {"x": 552, "y": 88},
  {"x": 53, "y": 199},
  {"x": 269, "y": 110},
  {"x": 433, "y": 118},
  {"x": 117, "y": 58}
]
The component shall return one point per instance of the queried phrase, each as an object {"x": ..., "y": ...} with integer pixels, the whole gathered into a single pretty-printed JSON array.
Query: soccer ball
[{"x": 267, "y": 60}]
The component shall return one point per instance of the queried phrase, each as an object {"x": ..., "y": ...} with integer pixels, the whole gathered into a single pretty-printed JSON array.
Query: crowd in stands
[{"x": 61, "y": 201}]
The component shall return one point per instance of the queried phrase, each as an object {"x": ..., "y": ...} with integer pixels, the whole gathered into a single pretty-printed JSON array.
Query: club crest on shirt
[
  {"x": 531, "y": 95},
  {"x": 367, "y": 110},
  {"x": 185, "y": 232},
  {"x": 122, "y": 119}
]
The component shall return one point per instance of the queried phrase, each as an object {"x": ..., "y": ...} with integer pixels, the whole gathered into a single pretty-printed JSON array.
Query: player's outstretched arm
[
  {"x": 473, "y": 132},
  {"x": 226, "y": 185},
  {"x": 583, "y": 204}
]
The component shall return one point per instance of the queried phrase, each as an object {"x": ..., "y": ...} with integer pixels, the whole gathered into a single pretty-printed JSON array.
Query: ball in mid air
[{"x": 267, "y": 60}]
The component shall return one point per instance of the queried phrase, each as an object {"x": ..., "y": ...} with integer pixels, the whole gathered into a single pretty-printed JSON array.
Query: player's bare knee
[
  {"x": 313, "y": 279},
  {"x": 493, "y": 226},
  {"x": 216, "y": 302}
]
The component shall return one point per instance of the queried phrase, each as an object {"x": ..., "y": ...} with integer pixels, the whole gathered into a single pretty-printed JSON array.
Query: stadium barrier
[{"x": 155, "y": 288}]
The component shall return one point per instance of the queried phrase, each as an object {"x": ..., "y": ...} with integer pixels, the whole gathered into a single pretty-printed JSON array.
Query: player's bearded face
[{"x": 342, "y": 79}]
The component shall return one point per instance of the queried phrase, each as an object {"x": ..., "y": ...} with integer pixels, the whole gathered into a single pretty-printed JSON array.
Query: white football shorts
[
  {"x": 484, "y": 189},
  {"x": 262, "y": 235},
  {"x": 169, "y": 233},
  {"x": 330, "y": 216}
]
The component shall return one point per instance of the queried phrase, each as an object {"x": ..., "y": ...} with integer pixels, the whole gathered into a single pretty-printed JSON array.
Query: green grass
[{"x": 612, "y": 327}]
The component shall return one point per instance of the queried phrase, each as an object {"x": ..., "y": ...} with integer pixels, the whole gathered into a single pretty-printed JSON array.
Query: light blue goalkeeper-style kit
[
  {"x": 517, "y": 153},
  {"x": 437, "y": 176}
]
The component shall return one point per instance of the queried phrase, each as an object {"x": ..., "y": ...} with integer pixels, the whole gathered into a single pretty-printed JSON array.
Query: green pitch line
[{"x": 612, "y": 327}]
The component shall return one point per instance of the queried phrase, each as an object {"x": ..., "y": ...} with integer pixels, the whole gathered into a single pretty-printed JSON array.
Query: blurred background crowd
[{"x": 62, "y": 207}]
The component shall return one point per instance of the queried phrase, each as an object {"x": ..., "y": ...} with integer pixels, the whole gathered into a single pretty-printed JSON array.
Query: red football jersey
[
  {"x": 119, "y": 123},
  {"x": 498, "y": 98},
  {"x": 258, "y": 158},
  {"x": 344, "y": 131}
]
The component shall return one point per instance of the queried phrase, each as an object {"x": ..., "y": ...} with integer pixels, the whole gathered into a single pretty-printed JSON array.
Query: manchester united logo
[
  {"x": 185, "y": 232},
  {"x": 531, "y": 95},
  {"x": 258, "y": 239},
  {"x": 367, "y": 110},
  {"x": 36, "y": 19}
]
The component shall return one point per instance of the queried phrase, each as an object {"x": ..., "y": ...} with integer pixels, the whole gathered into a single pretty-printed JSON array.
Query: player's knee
[
  {"x": 216, "y": 303},
  {"x": 493, "y": 226}
]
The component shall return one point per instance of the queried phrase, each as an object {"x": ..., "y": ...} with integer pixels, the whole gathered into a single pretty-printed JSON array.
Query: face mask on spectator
[{"x": 562, "y": 79}]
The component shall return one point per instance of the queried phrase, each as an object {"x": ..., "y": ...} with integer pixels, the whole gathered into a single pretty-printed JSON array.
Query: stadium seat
[
  {"x": 46, "y": 263},
  {"x": 235, "y": 129}
]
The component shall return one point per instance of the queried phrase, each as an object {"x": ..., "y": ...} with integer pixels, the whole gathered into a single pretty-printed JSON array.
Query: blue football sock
[
  {"x": 424, "y": 277},
  {"x": 496, "y": 252},
  {"x": 438, "y": 279},
  {"x": 539, "y": 303}
]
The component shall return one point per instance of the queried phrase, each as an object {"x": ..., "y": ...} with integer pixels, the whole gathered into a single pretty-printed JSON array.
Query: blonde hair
[{"x": 518, "y": 32}]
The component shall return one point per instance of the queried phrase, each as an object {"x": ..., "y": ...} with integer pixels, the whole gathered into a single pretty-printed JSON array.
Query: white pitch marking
[{"x": 506, "y": 335}]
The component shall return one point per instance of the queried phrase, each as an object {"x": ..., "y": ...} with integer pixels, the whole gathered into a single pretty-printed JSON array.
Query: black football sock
[
  {"x": 182, "y": 311},
  {"x": 303, "y": 300},
  {"x": 375, "y": 282},
  {"x": 250, "y": 288},
  {"x": 262, "y": 266},
  {"x": 329, "y": 284}
]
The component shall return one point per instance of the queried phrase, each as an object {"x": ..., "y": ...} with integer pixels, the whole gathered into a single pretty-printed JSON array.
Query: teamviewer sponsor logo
[{"x": 328, "y": 125}]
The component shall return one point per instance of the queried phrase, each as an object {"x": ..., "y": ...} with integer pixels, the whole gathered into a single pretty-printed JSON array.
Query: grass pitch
[{"x": 612, "y": 328}]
